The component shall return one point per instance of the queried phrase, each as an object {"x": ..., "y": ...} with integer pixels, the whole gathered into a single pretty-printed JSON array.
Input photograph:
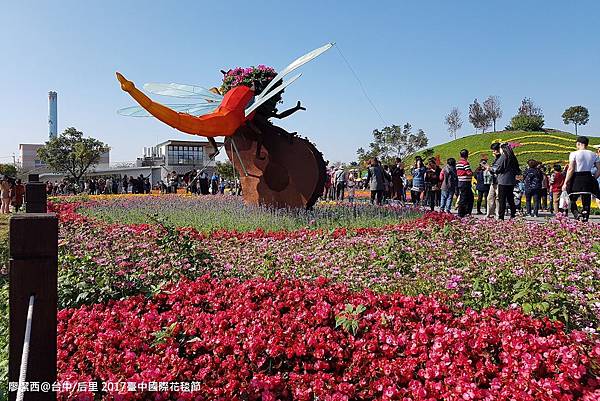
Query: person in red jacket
[
  {"x": 465, "y": 190},
  {"x": 557, "y": 179}
]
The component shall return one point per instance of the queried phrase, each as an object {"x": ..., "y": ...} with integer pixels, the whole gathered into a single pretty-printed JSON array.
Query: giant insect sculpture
[{"x": 276, "y": 168}]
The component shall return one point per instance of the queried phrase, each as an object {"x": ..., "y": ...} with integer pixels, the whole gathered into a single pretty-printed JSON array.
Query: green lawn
[{"x": 548, "y": 147}]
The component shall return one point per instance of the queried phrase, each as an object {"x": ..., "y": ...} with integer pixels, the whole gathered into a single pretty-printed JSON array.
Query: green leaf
[
  {"x": 527, "y": 308},
  {"x": 519, "y": 295}
]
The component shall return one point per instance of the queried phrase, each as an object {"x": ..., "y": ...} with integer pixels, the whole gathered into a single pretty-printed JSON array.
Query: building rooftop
[{"x": 185, "y": 141}]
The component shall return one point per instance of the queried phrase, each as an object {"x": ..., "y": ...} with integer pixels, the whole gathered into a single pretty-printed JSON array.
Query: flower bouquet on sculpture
[{"x": 258, "y": 76}]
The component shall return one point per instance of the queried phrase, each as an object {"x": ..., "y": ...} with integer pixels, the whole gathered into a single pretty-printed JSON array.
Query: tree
[
  {"x": 8, "y": 169},
  {"x": 72, "y": 154},
  {"x": 577, "y": 115},
  {"x": 225, "y": 170},
  {"x": 491, "y": 107},
  {"x": 529, "y": 117},
  {"x": 393, "y": 142},
  {"x": 478, "y": 117},
  {"x": 528, "y": 108},
  {"x": 364, "y": 156},
  {"x": 454, "y": 121}
]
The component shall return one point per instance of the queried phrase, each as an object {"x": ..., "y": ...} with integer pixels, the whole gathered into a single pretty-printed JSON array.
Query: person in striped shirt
[{"x": 465, "y": 176}]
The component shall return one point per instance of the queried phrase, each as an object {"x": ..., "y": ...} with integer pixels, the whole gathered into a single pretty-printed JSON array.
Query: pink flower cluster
[
  {"x": 245, "y": 76},
  {"x": 277, "y": 339}
]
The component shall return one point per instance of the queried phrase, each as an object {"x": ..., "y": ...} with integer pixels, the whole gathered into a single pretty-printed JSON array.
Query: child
[
  {"x": 557, "y": 179},
  {"x": 518, "y": 193},
  {"x": 351, "y": 187}
]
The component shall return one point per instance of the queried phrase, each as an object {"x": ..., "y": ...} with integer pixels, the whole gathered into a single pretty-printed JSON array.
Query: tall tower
[{"x": 52, "y": 114}]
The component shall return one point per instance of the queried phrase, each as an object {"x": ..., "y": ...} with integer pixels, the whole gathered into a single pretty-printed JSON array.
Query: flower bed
[
  {"x": 277, "y": 339},
  {"x": 550, "y": 269},
  {"x": 212, "y": 213},
  {"x": 429, "y": 308}
]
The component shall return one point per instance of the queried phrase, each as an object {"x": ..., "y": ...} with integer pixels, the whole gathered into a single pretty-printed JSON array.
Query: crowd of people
[
  {"x": 201, "y": 183},
  {"x": 499, "y": 184},
  {"x": 195, "y": 182},
  {"x": 385, "y": 183},
  {"x": 12, "y": 193}
]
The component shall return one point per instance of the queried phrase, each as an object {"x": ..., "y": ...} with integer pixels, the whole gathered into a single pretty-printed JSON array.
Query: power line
[{"x": 362, "y": 87}]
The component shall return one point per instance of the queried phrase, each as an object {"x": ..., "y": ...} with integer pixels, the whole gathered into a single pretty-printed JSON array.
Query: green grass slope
[{"x": 548, "y": 147}]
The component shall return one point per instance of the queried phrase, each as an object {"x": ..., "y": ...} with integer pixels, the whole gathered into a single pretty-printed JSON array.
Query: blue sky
[{"x": 416, "y": 59}]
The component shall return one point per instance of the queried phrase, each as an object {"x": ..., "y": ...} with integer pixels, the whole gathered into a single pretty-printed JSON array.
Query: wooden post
[
  {"x": 35, "y": 195},
  {"x": 33, "y": 270}
]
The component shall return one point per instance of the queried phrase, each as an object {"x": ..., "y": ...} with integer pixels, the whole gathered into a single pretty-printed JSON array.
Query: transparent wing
[
  {"x": 273, "y": 92},
  {"x": 182, "y": 90},
  {"x": 196, "y": 109},
  {"x": 300, "y": 61}
]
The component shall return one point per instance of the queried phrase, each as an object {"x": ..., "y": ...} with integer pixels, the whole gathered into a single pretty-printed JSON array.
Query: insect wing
[
  {"x": 275, "y": 91},
  {"x": 300, "y": 61},
  {"x": 183, "y": 91},
  {"x": 196, "y": 109}
]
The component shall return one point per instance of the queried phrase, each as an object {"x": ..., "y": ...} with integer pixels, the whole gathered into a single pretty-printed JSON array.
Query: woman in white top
[{"x": 579, "y": 180}]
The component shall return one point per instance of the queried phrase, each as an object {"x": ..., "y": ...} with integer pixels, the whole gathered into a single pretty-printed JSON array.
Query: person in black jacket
[
  {"x": 533, "y": 187},
  {"x": 506, "y": 169},
  {"x": 484, "y": 182},
  {"x": 432, "y": 183}
]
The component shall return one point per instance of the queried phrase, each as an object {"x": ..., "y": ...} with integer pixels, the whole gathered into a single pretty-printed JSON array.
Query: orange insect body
[{"x": 229, "y": 116}]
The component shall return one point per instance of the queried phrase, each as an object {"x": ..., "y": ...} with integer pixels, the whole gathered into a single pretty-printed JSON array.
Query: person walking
[
  {"x": 328, "y": 184},
  {"x": 351, "y": 187},
  {"x": 483, "y": 183},
  {"x": 5, "y": 195},
  {"x": 579, "y": 180},
  {"x": 340, "y": 183},
  {"x": 545, "y": 185},
  {"x": 465, "y": 190},
  {"x": 17, "y": 195},
  {"x": 418, "y": 181},
  {"x": 387, "y": 183},
  {"x": 594, "y": 171},
  {"x": 506, "y": 169},
  {"x": 432, "y": 183},
  {"x": 376, "y": 181},
  {"x": 397, "y": 174},
  {"x": 115, "y": 186},
  {"x": 533, "y": 187},
  {"x": 125, "y": 184},
  {"x": 492, "y": 199},
  {"x": 448, "y": 185},
  {"x": 557, "y": 179}
]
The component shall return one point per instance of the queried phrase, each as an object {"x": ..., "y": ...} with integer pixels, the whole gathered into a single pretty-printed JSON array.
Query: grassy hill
[{"x": 549, "y": 147}]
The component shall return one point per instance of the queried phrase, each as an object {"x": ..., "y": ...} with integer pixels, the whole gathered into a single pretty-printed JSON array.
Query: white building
[
  {"x": 31, "y": 163},
  {"x": 29, "y": 158}
]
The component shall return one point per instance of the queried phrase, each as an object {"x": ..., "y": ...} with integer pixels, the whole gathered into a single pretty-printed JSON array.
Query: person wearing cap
[{"x": 579, "y": 180}]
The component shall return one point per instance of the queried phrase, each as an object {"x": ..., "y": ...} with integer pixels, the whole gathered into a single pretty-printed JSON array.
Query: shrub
[{"x": 527, "y": 123}]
